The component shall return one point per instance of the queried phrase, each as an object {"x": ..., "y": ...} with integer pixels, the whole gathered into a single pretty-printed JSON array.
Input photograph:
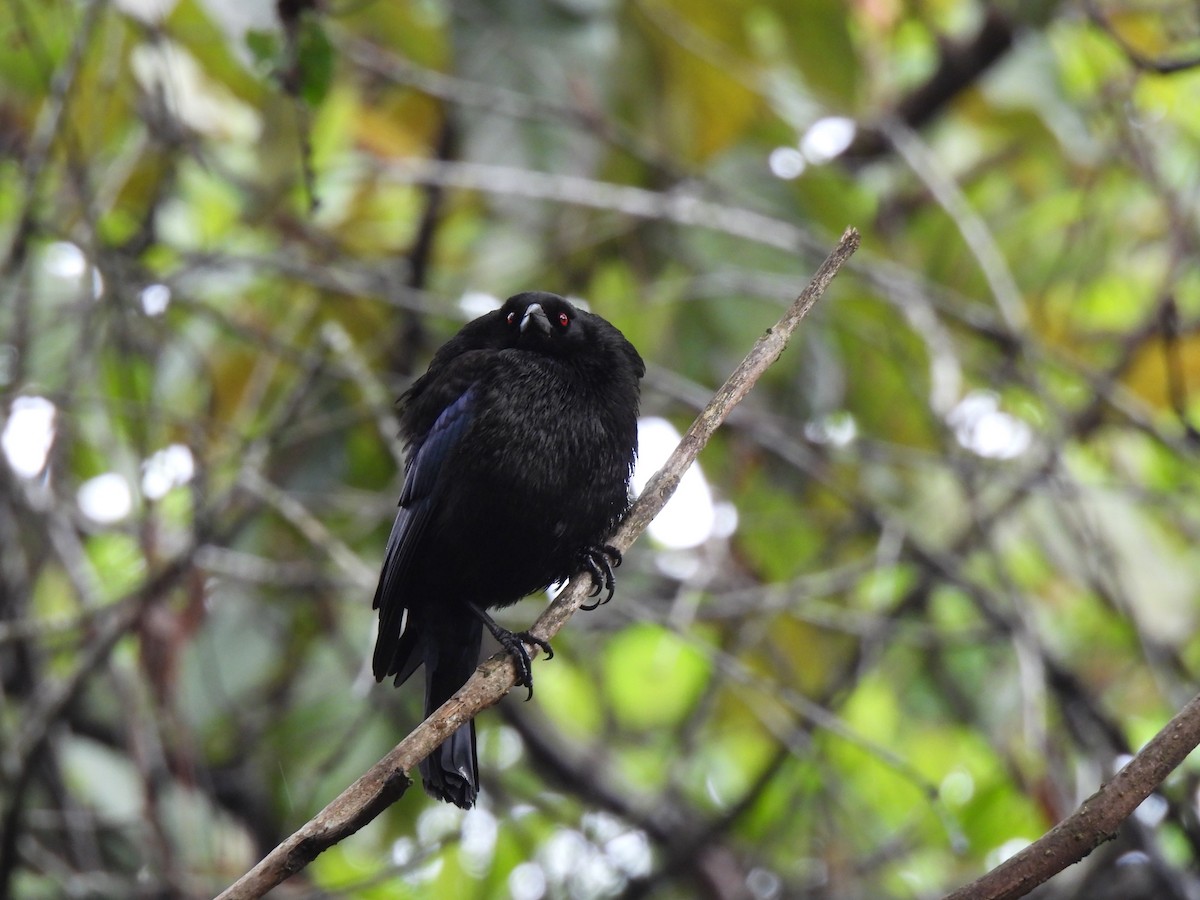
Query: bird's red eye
[
  {"x": 563, "y": 320},
  {"x": 511, "y": 318}
]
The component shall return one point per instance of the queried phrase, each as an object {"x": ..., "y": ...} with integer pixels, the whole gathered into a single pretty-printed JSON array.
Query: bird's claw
[
  {"x": 514, "y": 643},
  {"x": 600, "y": 560},
  {"x": 516, "y": 649}
]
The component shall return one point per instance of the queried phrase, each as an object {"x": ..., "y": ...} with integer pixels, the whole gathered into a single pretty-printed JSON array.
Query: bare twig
[
  {"x": 680, "y": 205},
  {"x": 387, "y": 780},
  {"x": 1097, "y": 819},
  {"x": 974, "y": 230}
]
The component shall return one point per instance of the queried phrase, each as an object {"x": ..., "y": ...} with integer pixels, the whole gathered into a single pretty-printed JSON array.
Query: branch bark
[
  {"x": 387, "y": 780},
  {"x": 1096, "y": 820}
]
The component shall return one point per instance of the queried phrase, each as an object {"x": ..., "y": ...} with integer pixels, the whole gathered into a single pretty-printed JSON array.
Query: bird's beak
[{"x": 537, "y": 316}]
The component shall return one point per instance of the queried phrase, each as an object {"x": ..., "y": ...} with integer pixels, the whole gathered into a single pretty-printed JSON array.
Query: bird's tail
[{"x": 451, "y": 771}]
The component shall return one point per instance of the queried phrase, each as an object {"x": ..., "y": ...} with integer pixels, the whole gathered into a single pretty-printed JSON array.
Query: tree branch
[
  {"x": 387, "y": 780},
  {"x": 1164, "y": 65},
  {"x": 1097, "y": 818},
  {"x": 960, "y": 65}
]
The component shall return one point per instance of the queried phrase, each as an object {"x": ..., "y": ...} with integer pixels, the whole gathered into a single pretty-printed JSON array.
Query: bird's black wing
[{"x": 394, "y": 648}]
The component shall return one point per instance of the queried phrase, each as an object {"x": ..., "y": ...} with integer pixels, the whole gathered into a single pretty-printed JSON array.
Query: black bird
[{"x": 521, "y": 438}]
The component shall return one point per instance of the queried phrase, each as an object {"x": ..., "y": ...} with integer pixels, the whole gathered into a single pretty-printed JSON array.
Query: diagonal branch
[
  {"x": 387, "y": 780},
  {"x": 1097, "y": 818},
  {"x": 1162, "y": 65},
  {"x": 960, "y": 65}
]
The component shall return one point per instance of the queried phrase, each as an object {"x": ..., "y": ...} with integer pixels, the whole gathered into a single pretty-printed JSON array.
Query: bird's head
[{"x": 544, "y": 323}]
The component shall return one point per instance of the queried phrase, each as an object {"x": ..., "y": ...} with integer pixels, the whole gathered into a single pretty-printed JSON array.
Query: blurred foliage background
[{"x": 939, "y": 575}]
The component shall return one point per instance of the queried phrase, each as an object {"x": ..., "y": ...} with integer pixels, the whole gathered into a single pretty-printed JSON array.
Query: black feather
[{"x": 521, "y": 440}]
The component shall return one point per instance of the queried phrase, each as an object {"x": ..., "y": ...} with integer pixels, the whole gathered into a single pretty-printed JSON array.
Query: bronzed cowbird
[{"x": 521, "y": 437}]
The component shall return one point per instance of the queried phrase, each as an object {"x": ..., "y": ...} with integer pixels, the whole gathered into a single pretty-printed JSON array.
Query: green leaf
[
  {"x": 315, "y": 58},
  {"x": 653, "y": 676},
  {"x": 264, "y": 47}
]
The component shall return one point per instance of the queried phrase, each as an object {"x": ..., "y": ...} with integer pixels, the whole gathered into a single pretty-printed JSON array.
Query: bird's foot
[
  {"x": 514, "y": 643},
  {"x": 600, "y": 560}
]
